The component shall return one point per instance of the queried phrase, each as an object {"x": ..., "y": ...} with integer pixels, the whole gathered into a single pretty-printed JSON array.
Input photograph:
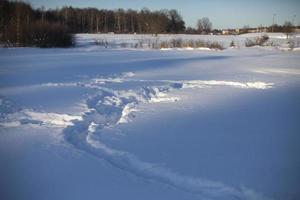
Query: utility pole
[{"x": 273, "y": 22}]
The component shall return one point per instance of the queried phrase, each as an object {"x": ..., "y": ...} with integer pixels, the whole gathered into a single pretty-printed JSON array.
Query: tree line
[
  {"x": 92, "y": 20},
  {"x": 21, "y": 25}
]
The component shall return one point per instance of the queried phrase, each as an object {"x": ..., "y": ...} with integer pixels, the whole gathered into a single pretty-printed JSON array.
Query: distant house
[
  {"x": 216, "y": 32},
  {"x": 252, "y": 30},
  {"x": 263, "y": 29},
  {"x": 257, "y": 30},
  {"x": 230, "y": 31},
  {"x": 243, "y": 30},
  {"x": 296, "y": 30}
]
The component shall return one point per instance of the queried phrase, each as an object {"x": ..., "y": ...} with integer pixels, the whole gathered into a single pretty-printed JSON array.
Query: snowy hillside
[{"x": 139, "y": 123}]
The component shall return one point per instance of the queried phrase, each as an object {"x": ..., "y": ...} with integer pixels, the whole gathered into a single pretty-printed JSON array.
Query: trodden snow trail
[{"x": 108, "y": 108}]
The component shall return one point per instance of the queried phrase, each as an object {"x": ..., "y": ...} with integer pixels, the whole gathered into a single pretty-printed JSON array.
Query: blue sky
[{"x": 222, "y": 13}]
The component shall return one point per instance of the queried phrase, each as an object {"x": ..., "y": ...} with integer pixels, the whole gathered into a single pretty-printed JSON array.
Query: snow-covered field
[
  {"x": 128, "y": 123},
  {"x": 276, "y": 40}
]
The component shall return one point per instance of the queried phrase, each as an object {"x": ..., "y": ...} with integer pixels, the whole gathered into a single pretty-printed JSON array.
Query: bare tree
[
  {"x": 204, "y": 25},
  {"x": 287, "y": 28},
  {"x": 176, "y": 23}
]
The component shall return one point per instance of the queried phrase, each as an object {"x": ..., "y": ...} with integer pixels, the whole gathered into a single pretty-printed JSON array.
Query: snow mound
[{"x": 27, "y": 116}]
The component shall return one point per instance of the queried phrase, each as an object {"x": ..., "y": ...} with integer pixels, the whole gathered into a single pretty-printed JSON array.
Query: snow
[
  {"x": 201, "y": 84},
  {"x": 27, "y": 116},
  {"x": 125, "y": 123},
  {"x": 132, "y": 41}
]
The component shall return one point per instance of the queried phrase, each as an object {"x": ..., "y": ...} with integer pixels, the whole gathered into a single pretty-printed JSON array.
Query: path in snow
[{"x": 107, "y": 108}]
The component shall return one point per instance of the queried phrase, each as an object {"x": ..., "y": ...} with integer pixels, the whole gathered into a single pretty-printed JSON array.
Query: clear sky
[{"x": 222, "y": 13}]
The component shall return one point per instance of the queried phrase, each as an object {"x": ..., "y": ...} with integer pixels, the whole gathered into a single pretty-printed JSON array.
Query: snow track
[
  {"x": 108, "y": 108},
  {"x": 150, "y": 124}
]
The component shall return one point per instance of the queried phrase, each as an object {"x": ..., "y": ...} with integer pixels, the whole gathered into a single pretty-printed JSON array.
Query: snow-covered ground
[
  {"x": 128, "y": 123},
  {"x": 276, "y": 40}
]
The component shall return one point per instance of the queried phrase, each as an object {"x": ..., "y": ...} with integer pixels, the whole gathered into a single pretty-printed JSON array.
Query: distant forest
[{"x": 21, "y": 25}]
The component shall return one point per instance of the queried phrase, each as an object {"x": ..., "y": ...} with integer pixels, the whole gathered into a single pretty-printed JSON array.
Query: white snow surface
[
  {"x": 114, "y": 123},
  {"x": 277, "y": 41}
]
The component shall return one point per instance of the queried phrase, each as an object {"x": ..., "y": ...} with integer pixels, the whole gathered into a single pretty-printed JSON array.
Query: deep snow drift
[{"x": 90, "y": 123}]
